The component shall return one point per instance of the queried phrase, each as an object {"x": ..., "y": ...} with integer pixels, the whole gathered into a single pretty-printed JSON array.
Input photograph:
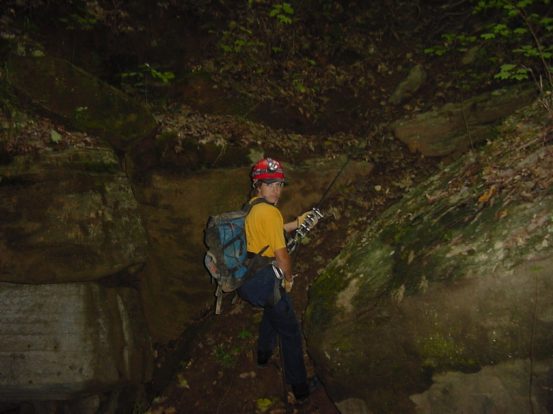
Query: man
[{"x": 265, "y": 229}]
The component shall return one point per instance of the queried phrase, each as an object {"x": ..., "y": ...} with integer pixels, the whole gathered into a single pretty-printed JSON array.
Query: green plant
[
  {"x": 144, "y": 74},
  {"x": 55, "y": 136},
  {"x": 79, "y": 22},
  {"x": 283, "y": 12},
  {"x": 245, "y": 334},
  {"x": 226, "y": 357},
  {"x": 258, "y": 33},
  {"x": 512, "y": 71},
  {"x": 534, "y": 33},
  {"x": 517, "y": 37},
  {"x": 239, "y": 39}
]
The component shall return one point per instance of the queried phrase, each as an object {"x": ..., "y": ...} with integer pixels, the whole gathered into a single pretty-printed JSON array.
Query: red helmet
[{"x": 267, "y": 169}]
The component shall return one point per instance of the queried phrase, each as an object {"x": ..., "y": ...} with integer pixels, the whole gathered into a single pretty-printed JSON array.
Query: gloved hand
[
  {"x": 314, "y": 219},
  {"x": 287, "y": 284}
]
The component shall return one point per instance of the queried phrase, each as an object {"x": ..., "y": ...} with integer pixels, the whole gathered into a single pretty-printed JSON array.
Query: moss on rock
[
  {"x": 80, "y": 99},
  {"x": 440, "y": 281}
]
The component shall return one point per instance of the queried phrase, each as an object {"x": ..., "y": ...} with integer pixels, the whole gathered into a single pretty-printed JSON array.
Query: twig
[
  {"x": 453, "y": 5},
  {"x": 546, "y": 66}
]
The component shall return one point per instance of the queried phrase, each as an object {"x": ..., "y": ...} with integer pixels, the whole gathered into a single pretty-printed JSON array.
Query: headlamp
[{"x": 272, "y": 165}]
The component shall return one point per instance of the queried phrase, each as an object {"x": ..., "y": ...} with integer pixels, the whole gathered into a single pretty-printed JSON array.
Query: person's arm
[
  {"x": 294, "y": 224},
  {"x": 284, "y": 262},
  {"x": 291, "y": 226}
]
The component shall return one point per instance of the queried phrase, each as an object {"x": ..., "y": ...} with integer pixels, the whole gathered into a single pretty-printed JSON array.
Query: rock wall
[
  {"x": 60, "y": 341},
  {"x": 71, "y": 239},
  {"x": 72, "y": 326},
  {"x": 68, "y": 216},
  {"x": 454, "y": 280},
  {"x": 175, "y": 286},
  {"x": 455, "y": 127}
]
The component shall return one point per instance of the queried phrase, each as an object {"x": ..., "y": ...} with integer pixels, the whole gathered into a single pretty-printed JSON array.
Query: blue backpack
[{"x": 227, "y": 256}]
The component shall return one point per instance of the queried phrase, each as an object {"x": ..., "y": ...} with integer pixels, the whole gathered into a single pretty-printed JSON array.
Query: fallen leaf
[
  {"x": 55, "y": 136},
  {"x": 501, "y": 214},
  {"x": 526, "y": 195},
  {"x": 432, "y": 198},
  {"x": 263, "y": 404},
  {"x": 398, "y": 294},
  {"x": 486, "y": 197},
  {"x": 182, "y": 382}
]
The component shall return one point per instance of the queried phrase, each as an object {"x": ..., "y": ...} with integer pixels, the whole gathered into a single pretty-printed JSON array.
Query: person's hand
[
  {"x": 287, "y": 284},
  {"x": 313, "y": 218}
]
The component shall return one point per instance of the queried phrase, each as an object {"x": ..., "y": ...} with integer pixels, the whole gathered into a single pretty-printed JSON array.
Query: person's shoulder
[{"x": 262, "y": 207}]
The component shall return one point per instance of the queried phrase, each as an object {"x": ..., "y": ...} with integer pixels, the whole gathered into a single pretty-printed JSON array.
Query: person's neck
[{"x": 268, "y": 202}]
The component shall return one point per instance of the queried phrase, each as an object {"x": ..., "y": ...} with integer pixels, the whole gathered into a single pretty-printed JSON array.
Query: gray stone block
[{"x": 60, "y": 341}]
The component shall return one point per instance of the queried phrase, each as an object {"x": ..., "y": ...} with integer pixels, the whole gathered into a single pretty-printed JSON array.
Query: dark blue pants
[{"x": 278, "y": 320}]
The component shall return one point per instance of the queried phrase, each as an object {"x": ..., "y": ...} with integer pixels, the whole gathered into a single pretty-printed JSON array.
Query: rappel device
[{"x": 313, "y": 216}]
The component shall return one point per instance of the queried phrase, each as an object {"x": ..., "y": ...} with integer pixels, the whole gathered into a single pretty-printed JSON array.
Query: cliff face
[{"x": 71, "y": 243}]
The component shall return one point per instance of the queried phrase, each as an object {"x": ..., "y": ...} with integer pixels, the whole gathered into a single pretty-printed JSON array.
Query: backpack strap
[
  {"x": 246, "y": 208},
  {"x": 219, "y": 296},
  {"x": 257, "y": 261}
]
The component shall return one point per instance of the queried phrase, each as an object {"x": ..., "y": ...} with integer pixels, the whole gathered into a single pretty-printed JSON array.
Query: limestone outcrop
[
  {"x": 409, "y": 86},
  {"x": 455, "y": 127},
  {"x": 68, "y": 216},
  {"x": 61, "y": 341},
  {"x": 72, "y": 327},
  {"x": 449, "y": 292}
]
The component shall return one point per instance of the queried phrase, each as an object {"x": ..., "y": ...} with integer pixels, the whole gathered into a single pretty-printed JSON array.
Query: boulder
[
  {"x": 175, "y": 285},
  {"x": 406, "y": 89},
  {"x": 81, "y": 100},
  {"x": 446, "y": 289},
  {"x": 496, "y": 388},
  {"x": 68, "y": 216},
  {"x": 58, "y": 342},
  {"x": 455, "y": 127}
]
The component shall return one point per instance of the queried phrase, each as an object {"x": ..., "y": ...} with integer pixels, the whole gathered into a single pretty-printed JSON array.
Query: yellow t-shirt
[{"x": 265, "y": 227}]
